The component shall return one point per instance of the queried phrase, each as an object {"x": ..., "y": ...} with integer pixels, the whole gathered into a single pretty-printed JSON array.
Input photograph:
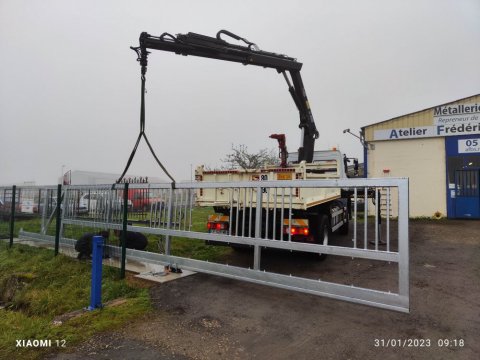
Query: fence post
[
  {"x": 96, "y": 288},
  {"x": 12, "y": 214},
  {"x": 403, "y": 246},
  {"x": 58, "y": 218},
  {"x": 124, "y": 231}
]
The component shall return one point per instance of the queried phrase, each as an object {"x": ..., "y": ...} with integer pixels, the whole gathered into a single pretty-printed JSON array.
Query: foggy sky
[{"x": 70, "y": 85}]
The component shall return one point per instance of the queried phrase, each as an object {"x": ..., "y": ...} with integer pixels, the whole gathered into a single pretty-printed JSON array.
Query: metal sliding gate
[{"x": 378, "y": 233}]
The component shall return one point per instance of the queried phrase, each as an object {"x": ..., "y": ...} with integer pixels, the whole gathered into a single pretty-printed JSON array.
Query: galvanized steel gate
[{"x": 170, "y": 216}]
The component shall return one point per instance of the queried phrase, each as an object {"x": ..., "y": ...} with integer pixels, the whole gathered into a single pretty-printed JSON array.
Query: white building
[{"x": 79, "y": 177}]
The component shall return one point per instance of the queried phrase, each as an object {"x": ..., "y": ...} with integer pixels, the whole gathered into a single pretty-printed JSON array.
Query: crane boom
[{"x": 216, "y": 48}]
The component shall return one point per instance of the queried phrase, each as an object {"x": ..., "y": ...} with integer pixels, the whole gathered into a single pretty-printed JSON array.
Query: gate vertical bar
[
  {"x": 290, "y": 217},
  {"x": 12, "y": 214},
  {"x": 65, "y": 202},
  {"x": 175, "y": 211},
  {"x": 354, "y": 217},
  {"x": 258, "y": 219},
  {"x": 365, "y": 216},
  {"x": 39, "y": 200},
  {"x": 44, "y": 211},
  {"x": 124, "y": 231},
  {"x": 192, "y": 199},
  {"x": 244, "y": 210},
  {"x": 237, "y": 212},
  {"x": 267, "y": 210},
  {"x": 250, "y": 213},
  {"x": 58, "y": 220},
  {"x": 169, "y": 220},
  {"x": 187, "y": 193},
  {"x": 282, "y": 213},
  {"x": 403, "y": 246},
  {"x": 274, "y": 224},
  {"x": 377, "y": 208},
  {"x": 388, "y": 219},
  {"x": 379, "y": 212},
  {"x": 230, "y": 219}
]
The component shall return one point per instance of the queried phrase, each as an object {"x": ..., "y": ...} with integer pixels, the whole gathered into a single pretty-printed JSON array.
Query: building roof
[{"x": 415, "y": 112}]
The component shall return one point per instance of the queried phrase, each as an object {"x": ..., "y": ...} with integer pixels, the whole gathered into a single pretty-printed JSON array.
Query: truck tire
[
  {"x": 344, "y": 229},
  {"x": 324, "y": 233},
  {"x": 324, "y": 230}
]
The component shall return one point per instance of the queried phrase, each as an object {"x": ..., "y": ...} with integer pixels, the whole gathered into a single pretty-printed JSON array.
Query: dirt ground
[{"x": 209, "y": 317}]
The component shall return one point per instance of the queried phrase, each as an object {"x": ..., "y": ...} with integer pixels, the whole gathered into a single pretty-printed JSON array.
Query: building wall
[
  {"x": 413, "y": 146},
  {"x": 423, "y": 162}
]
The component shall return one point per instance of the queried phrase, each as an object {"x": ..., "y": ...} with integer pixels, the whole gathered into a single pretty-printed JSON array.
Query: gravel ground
[{"x": 209, "y": 317}]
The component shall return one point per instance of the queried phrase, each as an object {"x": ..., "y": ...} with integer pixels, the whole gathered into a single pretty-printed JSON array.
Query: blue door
[{"x": 467, "y": 193}]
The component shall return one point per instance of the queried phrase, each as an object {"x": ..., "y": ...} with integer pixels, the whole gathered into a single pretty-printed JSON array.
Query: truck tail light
[
  {"x": 297, "y": 230},
  {"x": 217, "y": 226}
]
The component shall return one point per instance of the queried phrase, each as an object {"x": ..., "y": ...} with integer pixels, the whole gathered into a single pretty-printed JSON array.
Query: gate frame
[{"x": 382, "y": 299}]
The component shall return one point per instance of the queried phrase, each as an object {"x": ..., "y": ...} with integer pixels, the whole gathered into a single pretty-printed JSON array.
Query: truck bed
[{"x": 328, "y": 167}]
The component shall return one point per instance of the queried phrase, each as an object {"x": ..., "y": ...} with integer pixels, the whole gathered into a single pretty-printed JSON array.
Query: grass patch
[
  {"x": 192, "y": 248},
  {"x": 430, "y": 218},
  {"x": 47, "y": 286},
  {"x": 184, "y": 247}
]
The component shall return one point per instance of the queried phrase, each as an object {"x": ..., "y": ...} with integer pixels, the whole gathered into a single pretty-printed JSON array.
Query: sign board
[
  {"x": 448, "y": 120},
  {"x": 467, "y": 146},
  {"x": 284, "y": 176},
  {"x": 456, "y": 114},
  {"x": 26, "y": 206}
]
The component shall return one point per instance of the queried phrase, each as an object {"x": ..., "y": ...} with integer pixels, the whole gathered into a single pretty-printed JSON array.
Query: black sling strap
[{"x": 142, "y": 133}]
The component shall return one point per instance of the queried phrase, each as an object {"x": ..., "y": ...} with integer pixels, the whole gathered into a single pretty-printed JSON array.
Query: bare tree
[{"x": 240, "y": 157}]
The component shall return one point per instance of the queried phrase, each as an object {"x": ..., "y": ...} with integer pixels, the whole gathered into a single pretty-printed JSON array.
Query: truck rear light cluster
[
  {"x": 297, "y": 230},
  {"x": 211, "y": 225}
]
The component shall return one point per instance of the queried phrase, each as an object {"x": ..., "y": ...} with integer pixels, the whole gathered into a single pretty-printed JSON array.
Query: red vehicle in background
[{"x": 142, "y": 199}]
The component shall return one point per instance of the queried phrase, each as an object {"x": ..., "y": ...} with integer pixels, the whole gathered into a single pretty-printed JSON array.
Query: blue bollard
[{"x": 96, "y": 290}]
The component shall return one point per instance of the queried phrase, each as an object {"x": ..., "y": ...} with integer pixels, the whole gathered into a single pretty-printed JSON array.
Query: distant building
[{"x": 79, "y": 177}]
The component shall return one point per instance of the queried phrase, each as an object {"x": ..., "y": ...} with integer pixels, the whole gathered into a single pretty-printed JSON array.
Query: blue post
[{"x": 96, "y": 290}]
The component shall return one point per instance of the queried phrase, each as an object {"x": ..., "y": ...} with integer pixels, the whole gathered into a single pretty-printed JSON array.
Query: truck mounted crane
[{"x": 192, "y": 44}]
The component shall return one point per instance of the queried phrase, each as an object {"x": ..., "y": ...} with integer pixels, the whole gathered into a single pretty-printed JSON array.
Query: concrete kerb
[{"x": 143, "y": 269}]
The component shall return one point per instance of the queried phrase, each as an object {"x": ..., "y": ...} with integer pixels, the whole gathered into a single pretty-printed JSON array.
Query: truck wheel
[
  {"x": 324, "y": 230},
  {"x": 344, "y": 229},
  {"x": 324, "y": 233}
]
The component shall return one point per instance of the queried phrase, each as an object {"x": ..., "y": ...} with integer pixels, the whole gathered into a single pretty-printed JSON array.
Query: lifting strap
[{"x": 142, "y": 134}]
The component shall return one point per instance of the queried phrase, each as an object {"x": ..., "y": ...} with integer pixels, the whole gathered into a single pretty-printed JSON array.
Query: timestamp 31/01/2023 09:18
[{"x": 420, "y": 343}]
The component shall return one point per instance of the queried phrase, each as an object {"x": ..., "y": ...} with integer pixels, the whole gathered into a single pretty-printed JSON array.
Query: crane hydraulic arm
[{"x": 217, "y": 48}]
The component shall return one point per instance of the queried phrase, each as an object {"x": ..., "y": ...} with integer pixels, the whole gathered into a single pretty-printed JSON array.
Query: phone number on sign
[{"x": 405, "y": 343}]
